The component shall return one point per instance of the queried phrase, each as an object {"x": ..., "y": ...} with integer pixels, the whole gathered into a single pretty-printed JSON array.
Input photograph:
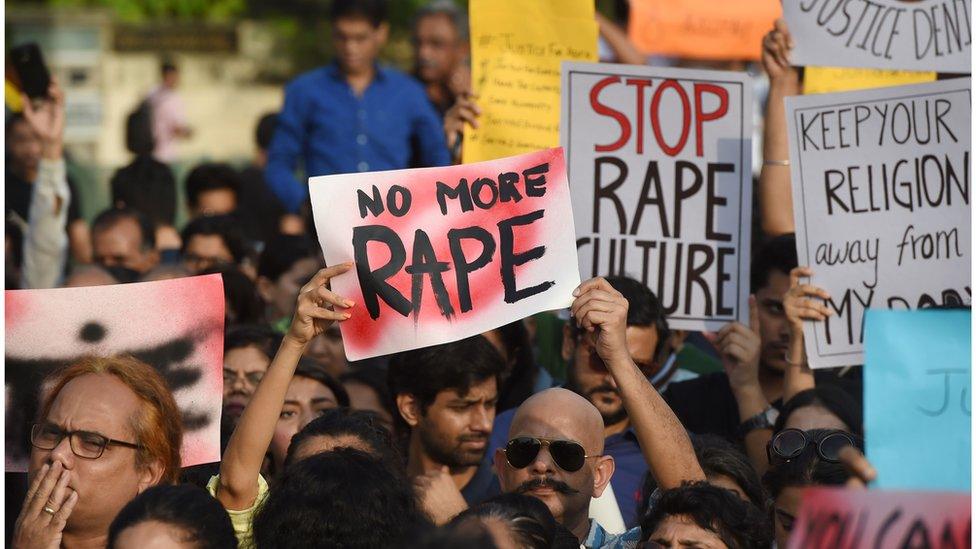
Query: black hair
[
  {"x": 242, "y": 300},
  {"x": 252, "y": 335},
  {"x": 374, "y": 378},
  {"x": 210, "y": 176},
  {"x": 469, "y": 535},
  {"x": 113, "y": 216},
  {"x": 807, "y": 469},
  {"x": 778, "y": 254},
  {"x": 148, "y": 186},
  {"x": 281, "y": 252},
  {"x": 312, "y": 370},
  {"x": 520, "y": 382},
  {"x": 13, "y": 120},
  {"x": 836, "y": 400},
  {"x": 223, "y": 226},
  {"x": 187, "y": 507},
  {"x": 426, "y": 372},
  {"x": 167, "y": 65},
  {"x": 738, "y": 524},
  {"x": 644, "y": 309},
  {"x": 265, "y": 130},
  {"x": 337, "y": 422},
  {"x": 343, "y": 498},
  {"x": 718, "y": 456},
  {"x": 373, "y": 11},
  {"x": 528, "y": 519}
]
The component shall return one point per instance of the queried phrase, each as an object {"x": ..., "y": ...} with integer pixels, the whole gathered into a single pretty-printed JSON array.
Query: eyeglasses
[
  {"x": 84, "y": 444},
  {"x": 253, "y": 378},
  {"x": 788, "y": 444},
  {"x": 568, "y": 455}
]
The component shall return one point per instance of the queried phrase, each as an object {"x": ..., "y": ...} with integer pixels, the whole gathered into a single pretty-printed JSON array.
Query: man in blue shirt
[{"x": 353, "y": 115}]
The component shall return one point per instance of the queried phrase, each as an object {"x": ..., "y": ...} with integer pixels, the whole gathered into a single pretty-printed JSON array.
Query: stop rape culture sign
[
  {"x": 660, "y": 164},
  {"x": 446, "y": 253},
  {"x": 881, "y": 189}
]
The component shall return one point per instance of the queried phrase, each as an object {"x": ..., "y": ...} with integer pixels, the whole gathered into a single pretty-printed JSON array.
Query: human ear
[
  {"x": 601, "y": 474},
  {"x": 409, "y": 408}
]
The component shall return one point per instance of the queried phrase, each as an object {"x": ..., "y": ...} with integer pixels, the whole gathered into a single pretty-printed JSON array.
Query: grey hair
[{"x": 445, "y": 7}]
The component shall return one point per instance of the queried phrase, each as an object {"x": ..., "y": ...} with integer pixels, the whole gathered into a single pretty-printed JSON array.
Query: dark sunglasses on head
[
  {"x": 788, "y": 444},
  {"x": 568, "y": 455}
]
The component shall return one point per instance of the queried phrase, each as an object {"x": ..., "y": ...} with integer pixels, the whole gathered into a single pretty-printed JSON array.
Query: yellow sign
[
  {"x": 840, "y": 79},
  {"x": 517, "y": 48}
]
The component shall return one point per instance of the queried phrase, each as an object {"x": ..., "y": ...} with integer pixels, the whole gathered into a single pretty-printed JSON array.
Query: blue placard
[{"x": 917, "y": 398}]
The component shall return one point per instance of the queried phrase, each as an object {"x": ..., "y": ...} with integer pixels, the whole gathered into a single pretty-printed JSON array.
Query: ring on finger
[{"x": 49, "y": 510}]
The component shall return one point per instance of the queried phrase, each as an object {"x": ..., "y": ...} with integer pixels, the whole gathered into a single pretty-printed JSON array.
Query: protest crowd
[{"x": 601, "y": 422}]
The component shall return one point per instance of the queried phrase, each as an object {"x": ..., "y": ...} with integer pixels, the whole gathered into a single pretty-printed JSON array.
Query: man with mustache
[
  {"x": 445, "y": 401},
  {"x": 555, "y": 448},
  {"x": 440, "y": 45},
  {"x": 649, "y": 343}
]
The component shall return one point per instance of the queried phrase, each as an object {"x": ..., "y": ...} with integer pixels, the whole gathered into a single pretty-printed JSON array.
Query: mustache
[
  {"x": 473, "y": 438},
  {"x": 602, "y": 388},
  {"x": 549, "y": 482}
]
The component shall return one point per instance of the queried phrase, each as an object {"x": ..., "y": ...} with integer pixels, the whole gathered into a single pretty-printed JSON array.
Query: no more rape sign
[
  {"x": 446, "y": 253},
  {"x": 662, "y": 183}
]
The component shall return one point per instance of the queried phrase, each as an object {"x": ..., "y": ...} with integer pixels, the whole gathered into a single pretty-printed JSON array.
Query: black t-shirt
[
  {"x": 706, "y": 404},
  {"x": 257, "y": 204}
]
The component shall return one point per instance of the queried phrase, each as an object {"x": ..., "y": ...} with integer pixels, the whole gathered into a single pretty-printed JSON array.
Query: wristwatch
[{"x": 762, "y": 420}]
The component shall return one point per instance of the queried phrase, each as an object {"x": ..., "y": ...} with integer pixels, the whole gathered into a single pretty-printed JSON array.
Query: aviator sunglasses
[{"x": 568, "y": 455}]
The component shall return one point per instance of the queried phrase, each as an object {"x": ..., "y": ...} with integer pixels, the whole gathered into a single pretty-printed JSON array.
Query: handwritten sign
[
  {"x": 516, "y": 50},
  {"x": 869, "y": 519},
  {"x": 917, "y": 381},
  {"x": 446, "y": 253},
  {"x": 702, "y": 29},
  {"x": 839, "y": 79},
  {"x": 176, "y": 326},
  {"x": 934, "y": 35},
  {"x": 662, "y": 183},
  {"x": 881, "y": 204}
]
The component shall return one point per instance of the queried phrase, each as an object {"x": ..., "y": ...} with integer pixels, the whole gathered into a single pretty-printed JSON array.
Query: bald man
[{"x": 555, "y": 446}]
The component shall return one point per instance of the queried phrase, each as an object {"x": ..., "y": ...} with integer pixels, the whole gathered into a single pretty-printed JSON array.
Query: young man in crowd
[
  {"x": 212, "y": 241},
  {"x": 555, "y": 449},
  {"x": 169, "y": 121},
  {"x": 124, "y": 242},
  {"x": 648, "y": 341},
  {"x": 703, "y": 515},
  {"x": 352, "y": 115},
  {"x": 441, "y": 50},
  {"x": 445, "y": 397},
  {"x": 211, "y": 189}
]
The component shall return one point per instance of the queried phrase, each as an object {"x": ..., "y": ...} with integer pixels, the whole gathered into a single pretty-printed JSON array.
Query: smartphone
[{"x": 29, "y": 65}]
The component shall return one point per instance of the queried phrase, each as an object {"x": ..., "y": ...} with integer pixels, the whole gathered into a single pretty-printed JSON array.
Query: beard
[
  {"x": 610, "y": 417},
  {"x": 450, "y": 452}
]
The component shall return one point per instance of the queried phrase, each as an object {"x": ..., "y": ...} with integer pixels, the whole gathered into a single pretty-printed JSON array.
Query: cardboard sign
[
  {"x": 515, "y": 71},
  {"x": 447, "y": 253},
  {"x": 662, "y": 183},
  {"x": 881, "y": 204},
  {"x": 702, "y": 29},
  {"x": 854, "y": 519},
  {"x": 934, "y": 35},
  {"x": 918, "y": 380},
  {"x": 839, "y": 79},
  {"x": 176, "y": 326}
]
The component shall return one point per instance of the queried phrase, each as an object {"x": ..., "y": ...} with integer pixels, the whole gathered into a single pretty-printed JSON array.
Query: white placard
[
  {"x": 881, "y": 189},
  {"x": 660, "y": 173}
]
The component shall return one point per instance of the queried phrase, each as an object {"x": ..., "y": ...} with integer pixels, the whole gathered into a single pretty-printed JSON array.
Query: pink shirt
[{"x": 169, "y": 115}]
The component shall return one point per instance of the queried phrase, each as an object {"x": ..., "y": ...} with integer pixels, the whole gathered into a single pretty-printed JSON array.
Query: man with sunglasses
[
  {"x": 556, "y": 447},
  {"x": 648, "y": 341}
]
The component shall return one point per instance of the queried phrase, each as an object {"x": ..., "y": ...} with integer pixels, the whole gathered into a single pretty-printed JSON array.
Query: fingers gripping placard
[{"x": 446, "y": 253}]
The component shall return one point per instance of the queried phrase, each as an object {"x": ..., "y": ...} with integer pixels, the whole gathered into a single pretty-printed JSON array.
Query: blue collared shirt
[
  {"x": 391, "y": 126},
  {"x": 598, "y": 538}
]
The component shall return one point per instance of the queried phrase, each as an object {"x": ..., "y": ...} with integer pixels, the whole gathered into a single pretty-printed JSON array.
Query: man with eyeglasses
[
  {"x": 556, "y": 447},
  {"x": 108, "y": 430}
]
